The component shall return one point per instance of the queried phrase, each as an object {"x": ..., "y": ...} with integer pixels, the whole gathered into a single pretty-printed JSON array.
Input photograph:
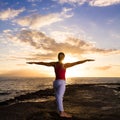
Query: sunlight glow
[
  {"x": 75, "y": 71},
  {"x": 69, "y": 59}
]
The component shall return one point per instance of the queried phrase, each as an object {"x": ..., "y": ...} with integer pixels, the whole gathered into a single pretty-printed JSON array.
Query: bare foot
[{"x": 64, "y": 114}]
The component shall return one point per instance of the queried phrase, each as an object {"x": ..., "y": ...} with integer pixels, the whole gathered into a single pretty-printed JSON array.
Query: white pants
[{"x": 59, "y": 87}]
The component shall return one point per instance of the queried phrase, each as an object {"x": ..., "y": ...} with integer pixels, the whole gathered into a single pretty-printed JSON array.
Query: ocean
[{"x": 11, "y": 87}]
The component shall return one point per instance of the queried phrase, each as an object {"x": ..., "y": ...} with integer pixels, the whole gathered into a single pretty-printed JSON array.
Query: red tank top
[{"x": 60, "y": 71}]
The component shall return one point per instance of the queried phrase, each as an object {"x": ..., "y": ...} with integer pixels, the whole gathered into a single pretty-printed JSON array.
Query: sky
[{"x": 36, "y": 30}]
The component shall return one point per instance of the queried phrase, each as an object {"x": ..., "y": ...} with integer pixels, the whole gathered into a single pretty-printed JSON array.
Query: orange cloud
[
  {"x": 103, "y": 67},
  {"x": 71, "y": 45}
]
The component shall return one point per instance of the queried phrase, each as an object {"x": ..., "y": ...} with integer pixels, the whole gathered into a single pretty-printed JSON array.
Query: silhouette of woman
[{"x": 60, "y": 80}]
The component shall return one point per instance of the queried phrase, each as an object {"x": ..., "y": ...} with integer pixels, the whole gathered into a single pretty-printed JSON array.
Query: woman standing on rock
[{"x": 60, "y": 80}]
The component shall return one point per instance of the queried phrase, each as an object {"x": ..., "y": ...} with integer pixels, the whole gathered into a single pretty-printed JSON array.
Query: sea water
[{"x": 11, "y": 87}]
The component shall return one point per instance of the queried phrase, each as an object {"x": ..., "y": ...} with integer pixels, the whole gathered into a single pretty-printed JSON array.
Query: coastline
[{"x": 84, "y": 102}]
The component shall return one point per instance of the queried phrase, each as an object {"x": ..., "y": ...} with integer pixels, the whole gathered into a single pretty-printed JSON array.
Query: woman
[{"x": 59, "y": 83}]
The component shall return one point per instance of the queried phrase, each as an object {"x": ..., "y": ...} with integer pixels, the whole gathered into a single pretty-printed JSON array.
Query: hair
[{"x": 60, "y": 53}]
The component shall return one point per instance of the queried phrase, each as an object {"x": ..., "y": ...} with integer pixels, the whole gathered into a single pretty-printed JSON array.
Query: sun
[
  {"x": 75, "y": 71},
  {"x": 69, "y": 59}
]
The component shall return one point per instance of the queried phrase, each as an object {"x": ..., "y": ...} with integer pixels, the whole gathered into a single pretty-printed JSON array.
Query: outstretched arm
[
  {"x": 78, "y": 62},
  {"x": 43, "y": 63}
]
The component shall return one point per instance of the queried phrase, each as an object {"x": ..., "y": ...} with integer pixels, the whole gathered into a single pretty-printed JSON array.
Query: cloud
[
  {"x": 104, "y": 67},
  {"x": 10, "y": 13},
  {"x": 99, "y": 3},
  {"x": 37, "y": 20},
  {"x": 73, "y": 1},
  {"x": 7, "y": 31},
  {"x": 60, "y": 36},
  {"x": 50, "y": 46}
]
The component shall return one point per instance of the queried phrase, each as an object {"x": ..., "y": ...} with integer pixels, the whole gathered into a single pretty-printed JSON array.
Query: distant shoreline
[{"x": 1, "y": 76}]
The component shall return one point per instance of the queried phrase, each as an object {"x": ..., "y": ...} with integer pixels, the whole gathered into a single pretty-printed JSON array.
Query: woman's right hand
[
  {"x": 90, "y": 60},
  {"x": 30, "y": 62}
]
